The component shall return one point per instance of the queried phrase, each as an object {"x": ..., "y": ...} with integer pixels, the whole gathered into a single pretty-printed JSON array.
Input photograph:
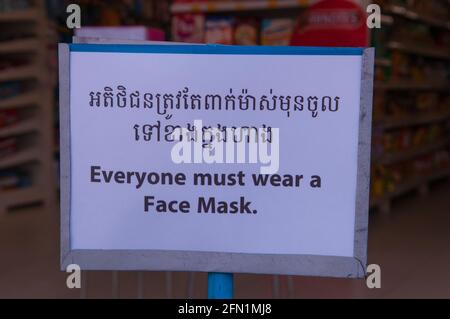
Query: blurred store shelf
[
  {"x": 244, "y": 5},
  {"x": 21, "y": 157},
  {"x": 16, "y": 197},
  {"x": 387, "y": 20},
  {"x": 406, "y": 154},
  {"x": 19, "y": 15},
  {"x": 414, "y": 183},
  {"x": 411, "y": 100},
  {"x": 22, "y": 127},
  {"x": 19, "y": 45},
  {"x": 417, "y": 16},
  {"x": 25, "y": 76},
  {"x": 20, "y": 73},
  {"x": 412, "y": 85},
  {"x": 383, "y": 62},
  {"x": 417, "y": 50},
  {"x": 412, "y": 120},
  {"x": 21, "y": 100}
]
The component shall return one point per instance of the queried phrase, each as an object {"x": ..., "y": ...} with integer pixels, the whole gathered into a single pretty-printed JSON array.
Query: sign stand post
[{"x": 220, "y": 285}]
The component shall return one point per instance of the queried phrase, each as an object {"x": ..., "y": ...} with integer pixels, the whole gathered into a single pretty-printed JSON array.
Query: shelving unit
[
  {"x": 23, "y": 127},
  {"x": 407, "y": 85},
  {"x": 22, "y": 15},
  {"x": 425, "y": 52},
  {"x": 416, "y": 16},
  {"x": 403, "y": 155},
  {"x": 243, "y": 5},
  {"x": 383, "y": 62},
  {"x": 409, "y": 89},
  {"x": 420, "y": 183},
  {"x": 34, "y": 104},
  {"x": 398, "y": 122},
  {"x": 19, "y": 45},
  {"x": 19, "y": 101}
]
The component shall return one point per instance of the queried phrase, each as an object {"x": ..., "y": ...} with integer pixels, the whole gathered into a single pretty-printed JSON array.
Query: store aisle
[{"x": 410, "y": 245}]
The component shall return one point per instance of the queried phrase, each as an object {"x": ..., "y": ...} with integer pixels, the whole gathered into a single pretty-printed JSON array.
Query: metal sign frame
[{"x": 307, "y": 265}]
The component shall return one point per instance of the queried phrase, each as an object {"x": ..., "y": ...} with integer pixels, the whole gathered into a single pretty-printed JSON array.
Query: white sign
[{"x": 290, "y": 189}]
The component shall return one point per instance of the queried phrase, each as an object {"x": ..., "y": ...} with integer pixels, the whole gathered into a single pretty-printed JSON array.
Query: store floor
[{"x": 411, "y": 245}]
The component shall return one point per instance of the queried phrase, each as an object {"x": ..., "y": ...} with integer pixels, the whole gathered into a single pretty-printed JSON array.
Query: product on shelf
[
  {"x": 442, "y": 159},
  {"x": 13, "y": 62},
  {"x": 8, "y": 146},
  {"x": 188, "y": 28},
  {"x": 276, "y": 31},
  {"x": 332, "y": 23},
  {"x": 8, "y": 117},
  {"x": 9, "y": 89},
  {"x": 408, "y": 138},
  {"x": 219, "y": 30},
  {"x": 246, "y": 32},
  {"x": 141, "y": 33},
  {"x": 14, "y": 5},
  {"x": 8, "y": 180},
  {"x": 13, "y": 179},
  {"x": 15, "y": 34},
  {"x": 387, "y": 179},
  {"x": 408, "y": 105},
  {"x": 427, "y": 102}
]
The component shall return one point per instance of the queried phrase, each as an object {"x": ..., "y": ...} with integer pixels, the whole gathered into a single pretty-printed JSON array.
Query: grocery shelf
[
  {"x": 19, "y": 158},
  {"x": 20, "y": 100},
  {"x": 22, "y": 127},
  {"x": 403, "y": 155},
  {"x": 387, "y": 20},
  {"x": 413, "y": 49},
  {"x": 417, "y": 16},
  {"x": 34, "y": 123},
  {"x": 20, "y": 45},
  {"x": 412, "y": 120},
  {"x": 19, "y": 15},
  {"x": 410, "y": 185},
  {"x": 412, "y": 85},
  {"x": 19, "y": 73},
  {"x": 243, "y": 5},
  {"x": 21, "y": 196},
  {"x": 383, "y": 62}
]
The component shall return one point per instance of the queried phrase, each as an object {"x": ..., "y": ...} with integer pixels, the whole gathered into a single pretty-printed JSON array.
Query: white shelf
[
  {"x": 387, "y": 20},
  {"x": 22, "y": 127},
  {"x": 19, "y": 73},
  {"x": 21, "y": 157},
  {"x": 410, "y": 185},
  {"x": 21, "y": 196},
  {"x": 243, "y": 5},
  {"x": 383, "y": 62},
  {"x": 411, "y": 85},
  {"x": 417, "y": 50},
  {"x": 21, "y": 100},
  {"x": 19, "y": 15},
  {"x": 412, "y": 120},
  {"x": 21, "y": 45},
  {"x": 417, "y": 16},
  {"x": 404, "y": 155}
]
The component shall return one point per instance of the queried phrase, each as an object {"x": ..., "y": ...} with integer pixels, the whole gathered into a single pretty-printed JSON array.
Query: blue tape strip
[{"x": 214, "y": 49}]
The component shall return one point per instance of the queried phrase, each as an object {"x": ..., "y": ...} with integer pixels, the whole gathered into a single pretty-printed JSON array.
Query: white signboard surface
[{"x": 118, "y": 201}]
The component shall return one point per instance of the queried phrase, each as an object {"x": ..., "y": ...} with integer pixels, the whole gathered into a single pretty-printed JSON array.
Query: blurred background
[{"x": 409, "y": 233}]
